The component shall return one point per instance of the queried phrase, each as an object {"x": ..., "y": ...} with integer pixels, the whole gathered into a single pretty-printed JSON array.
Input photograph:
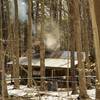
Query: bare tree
[
  {"x": 77, "y": 30},
  {"x": 42, "y": 47},
  {"x": 85, "y": 43},
  {"x": 37, "y": 14},
  {"x": 16, "y": 47},
  {"x": 96, "y": 45},
  {"x": 29, "y": 51},
  {"x": 97, "y": 6},
  {"x": 72, "y": 47},
  {"x": 2, "y": 59}
]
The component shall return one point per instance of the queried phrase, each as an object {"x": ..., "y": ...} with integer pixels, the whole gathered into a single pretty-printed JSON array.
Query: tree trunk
[
  {"x": 37, "y": 15},
  {"x": 73, "y": 73},
  {"x": 3, "y": 86},
  {"x": 97, "y": 46},
  {"x": 42, "y": 48},
  {"x": 16, "y": 47},
  {"x": 72, "y": 48},
  {"x": 84, "y": 31},
  {"x": 97, "y": 10},
  {"x": 77, "y": 31},
  {"x": 29, "y": 51}
]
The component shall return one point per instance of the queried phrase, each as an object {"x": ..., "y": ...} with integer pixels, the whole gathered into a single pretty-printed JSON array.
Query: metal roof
[{"x": 49, "y": 62}]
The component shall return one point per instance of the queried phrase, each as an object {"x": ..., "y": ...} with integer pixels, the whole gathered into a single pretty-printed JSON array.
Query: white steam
[
  {"x": 51, "y": 36},
  {"x": 51, "y": 30}
]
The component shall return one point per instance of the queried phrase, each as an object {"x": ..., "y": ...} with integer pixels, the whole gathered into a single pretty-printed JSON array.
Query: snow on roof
[{"x": 49, "y": 62}]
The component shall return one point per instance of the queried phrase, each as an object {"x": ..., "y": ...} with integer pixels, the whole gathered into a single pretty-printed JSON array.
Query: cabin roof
[{"x": 49, "y": 62}]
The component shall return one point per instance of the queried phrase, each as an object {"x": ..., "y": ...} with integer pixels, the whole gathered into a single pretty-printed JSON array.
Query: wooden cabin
[{"x": 55, "y": 68}]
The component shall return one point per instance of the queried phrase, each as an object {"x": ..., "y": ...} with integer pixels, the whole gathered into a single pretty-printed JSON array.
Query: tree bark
[
  {"x": 96, "y": 45},
  {"x": 72, "y": 47},
  {"x": 77, "y": 31},
  {"x": 42, "y": 48},
  {"x": 29, "y": 51},
  {"x": 84, "y": 30},
  {"x": 97, "y": 10},
  {"x": 3, "y": 89},
  {"x": 16, "y": 47},
  {"x": 37, "y": 15}
]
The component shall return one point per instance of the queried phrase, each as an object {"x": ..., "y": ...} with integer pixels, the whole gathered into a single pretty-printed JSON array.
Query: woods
[{"x": 50, "y": 45}]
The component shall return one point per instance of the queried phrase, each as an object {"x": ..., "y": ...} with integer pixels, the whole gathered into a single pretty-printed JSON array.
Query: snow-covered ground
[{"x": 34, "y": 94}]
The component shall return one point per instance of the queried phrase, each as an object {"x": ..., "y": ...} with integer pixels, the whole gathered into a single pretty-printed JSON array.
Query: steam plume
[
  {"x": 51, "y": 31},
  {"x": 51, "y": 36}
]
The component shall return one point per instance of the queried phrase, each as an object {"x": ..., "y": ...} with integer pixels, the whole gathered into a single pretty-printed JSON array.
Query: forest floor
[{"x": 25, "y": 93}]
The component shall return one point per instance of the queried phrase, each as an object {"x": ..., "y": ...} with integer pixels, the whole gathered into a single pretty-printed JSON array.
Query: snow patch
[{"x": 47, "y": 95}]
